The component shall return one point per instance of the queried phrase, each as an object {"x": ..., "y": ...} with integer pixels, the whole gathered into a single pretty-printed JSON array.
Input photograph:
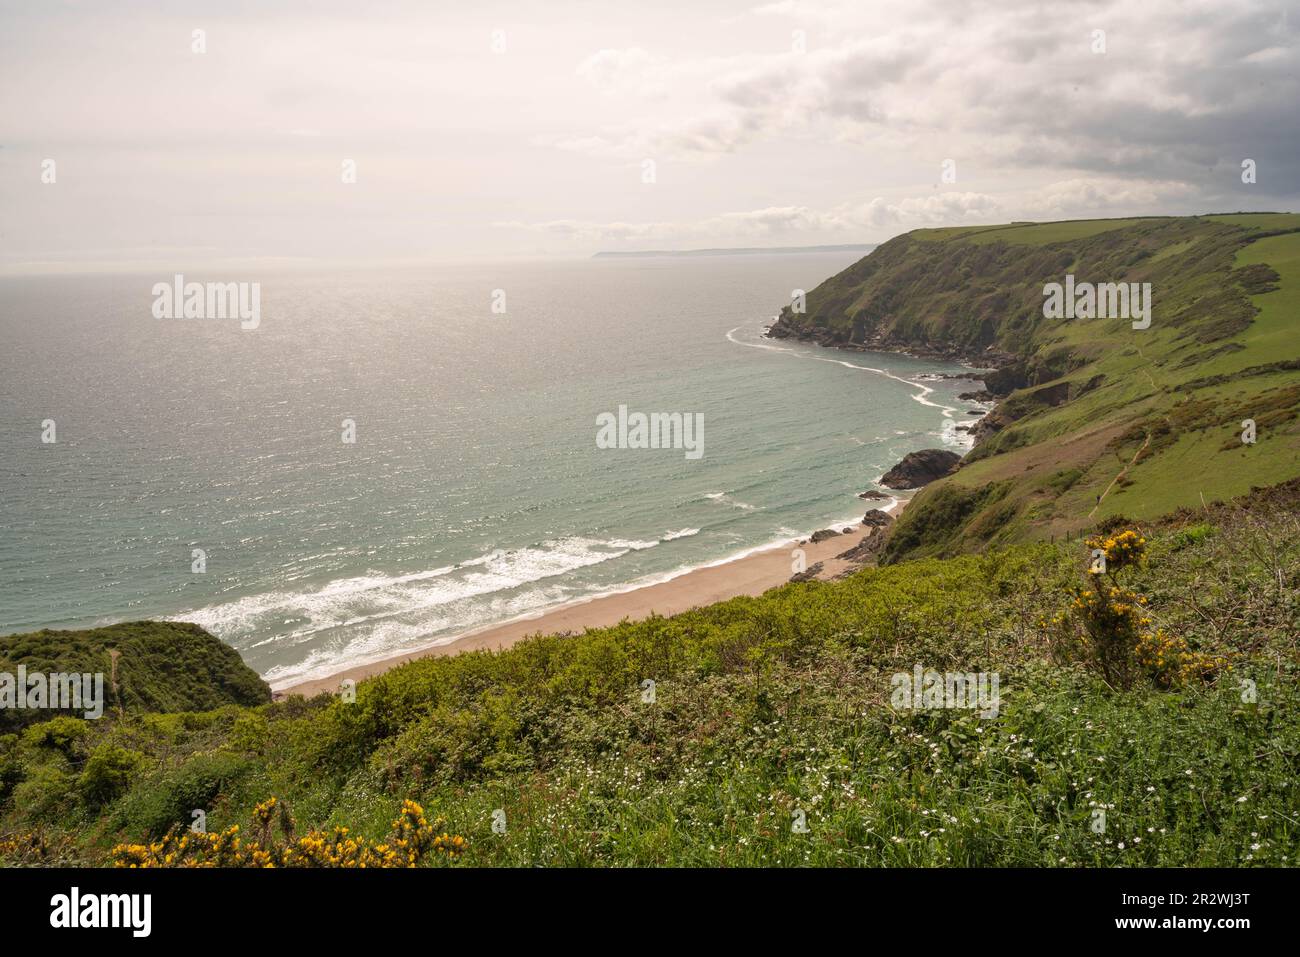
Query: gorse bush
[
  {"x": 1110, "y": 618},
  {"x": 1108, "y": 623},
  {"x": 410, "y": 840},
  {"x": 1125, "y": 550},
  {"x": 37, "y": 848}
]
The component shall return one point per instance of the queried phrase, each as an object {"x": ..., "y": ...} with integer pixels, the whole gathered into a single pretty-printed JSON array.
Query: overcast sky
[{"x": 787, "y": 123}]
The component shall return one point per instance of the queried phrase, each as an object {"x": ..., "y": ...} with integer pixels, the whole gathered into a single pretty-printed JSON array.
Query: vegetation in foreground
[{"x": 1159, "y": 725}]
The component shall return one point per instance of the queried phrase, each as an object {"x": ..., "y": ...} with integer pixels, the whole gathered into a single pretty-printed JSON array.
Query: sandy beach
[{"x": 751, "y": 574}]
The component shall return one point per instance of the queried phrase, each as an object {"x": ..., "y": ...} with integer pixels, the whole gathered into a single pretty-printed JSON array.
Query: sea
[{"x": 395, "y": 456}]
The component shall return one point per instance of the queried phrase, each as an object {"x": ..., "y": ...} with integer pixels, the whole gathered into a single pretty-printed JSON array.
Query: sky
[{"x": 506, "y": 130}]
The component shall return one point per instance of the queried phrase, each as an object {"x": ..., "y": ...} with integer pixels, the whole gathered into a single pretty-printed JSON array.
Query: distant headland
[{"x": 741, "y": 251}]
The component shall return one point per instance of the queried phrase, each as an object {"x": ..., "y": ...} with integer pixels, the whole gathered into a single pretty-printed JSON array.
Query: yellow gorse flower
[{"x": 411, "y": 834}]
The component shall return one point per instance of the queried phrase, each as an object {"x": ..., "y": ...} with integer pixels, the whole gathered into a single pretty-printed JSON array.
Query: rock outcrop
[
  {"x": 877, "y": 519},
  {"x": 921, "y": 468}
]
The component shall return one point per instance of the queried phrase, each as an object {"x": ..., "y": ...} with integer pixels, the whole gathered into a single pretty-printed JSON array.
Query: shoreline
[
  {"x": 750, "y": 574},
  {"x": 982, "y": 361}
]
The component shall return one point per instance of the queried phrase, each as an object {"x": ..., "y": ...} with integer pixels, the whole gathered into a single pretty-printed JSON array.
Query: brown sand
[{"x": 751, "y": 575}]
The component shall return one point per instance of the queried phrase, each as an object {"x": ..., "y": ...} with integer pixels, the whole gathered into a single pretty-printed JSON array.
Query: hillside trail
[
  {"x": 1147, "y": 441},
  {"x": 1121, "y": 474}
]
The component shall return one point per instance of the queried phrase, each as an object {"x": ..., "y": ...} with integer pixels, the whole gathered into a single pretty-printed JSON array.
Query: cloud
[
  {"x": 609, "y": 69},
  {"x": 779, "y": 122},
  {"x": 1183, "y": 90},
  {"x": 875, "y": 219},
  {"x": 777, "y": 223},
  {"x": 937, "y": 209},
  {"x": 1082, "y": 196}
]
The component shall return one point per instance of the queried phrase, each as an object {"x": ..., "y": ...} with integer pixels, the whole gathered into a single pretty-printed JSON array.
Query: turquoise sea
[{"x": 474, "y": 492}]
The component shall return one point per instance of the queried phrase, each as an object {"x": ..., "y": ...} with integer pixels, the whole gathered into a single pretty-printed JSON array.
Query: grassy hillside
[
  {"x": 766, "y": 712},
  {"x": 1097, "y": 419},
  {"x": 160, "y": 666}
]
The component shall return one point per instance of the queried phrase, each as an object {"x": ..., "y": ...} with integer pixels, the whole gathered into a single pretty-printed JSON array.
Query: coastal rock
[
  {"x": 823, "y": 534},
  {"x": 808, "y": 574},
  {"x": 865, "y": 550},
  {"x": 921, "y": 468},
  {"x": 866, "y": 336},
  {"x": 991, "y": 424},
  {"x": 1004, "y": 381},
  {"x": 877, "y": 519},
  {"x": 873, "y": 495}
]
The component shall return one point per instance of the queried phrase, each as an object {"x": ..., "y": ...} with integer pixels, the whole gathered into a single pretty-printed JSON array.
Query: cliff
[{"x": 1096, "y": 418}]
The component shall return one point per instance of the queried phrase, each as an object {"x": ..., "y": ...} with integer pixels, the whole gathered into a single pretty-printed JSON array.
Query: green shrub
[
  {"x": 11, "y": 767},
  {"x": 168, "y": 798},
  {"x": 1192, "y": 535},
  {"x": 250, "y": 732},
  {"x": 47, "y": 794},
  {"x": 456, "y": 746},
  {"x": 1064, "y": 480},
  {"x": 108, "y": 774},
  {"x": 159, "y": 666},
  {"x": 61, "y": 734}
]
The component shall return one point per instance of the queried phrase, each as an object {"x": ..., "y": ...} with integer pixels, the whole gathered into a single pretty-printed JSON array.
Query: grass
[
  {"x": 1275, "y": 333},
  {"x": 1029, "y": 234},
  {"x": 1042, "y": 234},
  {"x": 1263, "y": 221}
]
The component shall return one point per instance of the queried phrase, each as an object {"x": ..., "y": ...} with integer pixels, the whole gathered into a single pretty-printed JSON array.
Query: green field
[{"x": 1028, "y": 234}]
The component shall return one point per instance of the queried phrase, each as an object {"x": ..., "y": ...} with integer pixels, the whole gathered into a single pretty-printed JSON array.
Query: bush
[
  {"x": 410, "y": 839},
  {"x": 108, "y": 774},
  {"x": 11, "y": 768},
  {"x": 61, "y": 734},
  {"x": 453, "y": 746},
  {"x": 1192, "y": 535},
  {"x": 251, "y": 732},
  {"x": 1116, "y": 640},
  {"x": 167, "y": 799},
  {"x": 46, "y": 795}
]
